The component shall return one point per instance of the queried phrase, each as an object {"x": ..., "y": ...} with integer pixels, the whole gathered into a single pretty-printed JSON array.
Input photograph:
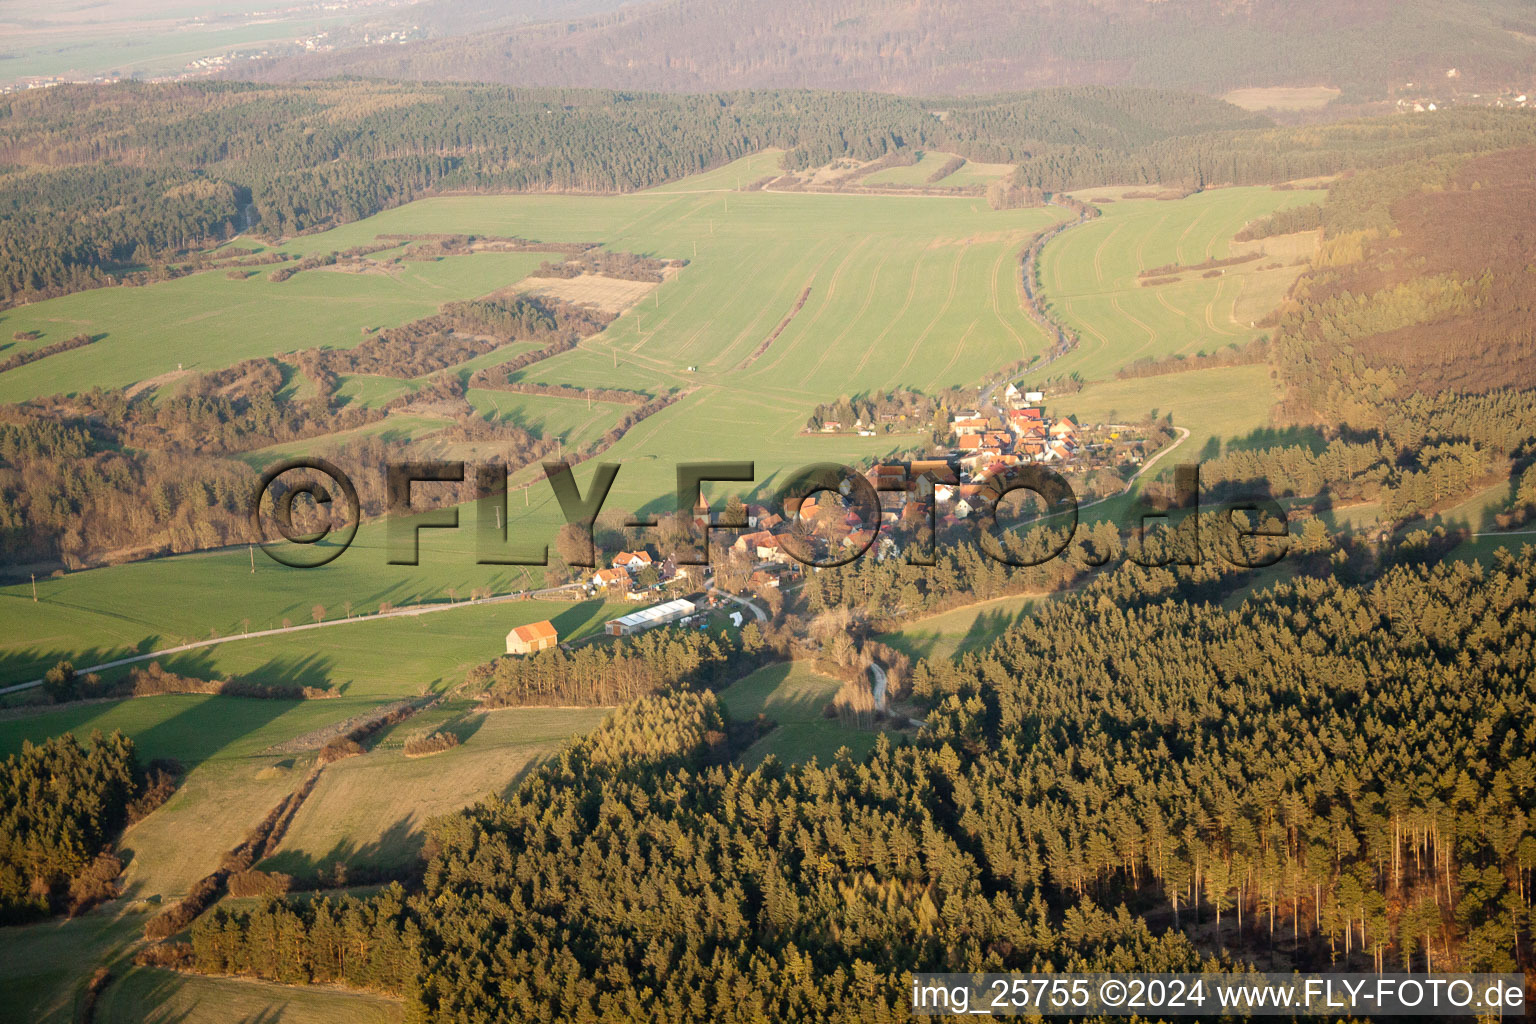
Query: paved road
[
  {"x": 877, "y": 673},
  {"x": 757, "y": 612},
  {"x": 394, "y": 613}
]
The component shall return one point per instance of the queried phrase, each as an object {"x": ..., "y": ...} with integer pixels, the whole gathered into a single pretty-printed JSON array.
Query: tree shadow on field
[
  {"x": 206, "y": 726},
  {"x": 292, "y": 671},
  {"x": 567, "y": 622},
  {"x": 990, "y": 625},
  {"x": 397, "y": 850},
  {"x": 1268, "y": 437}
]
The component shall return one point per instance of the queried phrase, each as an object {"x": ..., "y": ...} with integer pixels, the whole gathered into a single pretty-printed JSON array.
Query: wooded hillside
[{"x": 964, "y": 46}]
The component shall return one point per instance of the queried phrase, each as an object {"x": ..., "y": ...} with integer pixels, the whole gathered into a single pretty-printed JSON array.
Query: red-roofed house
[
  {"x": 859, "y": 539},
  {"x": 611, "y": 577},
  {"x": 634, "y": 561},
  {"x": 536, "y": 636}
]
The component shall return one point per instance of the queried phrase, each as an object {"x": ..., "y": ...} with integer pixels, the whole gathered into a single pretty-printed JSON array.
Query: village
[{"x": 752, "y": 545}]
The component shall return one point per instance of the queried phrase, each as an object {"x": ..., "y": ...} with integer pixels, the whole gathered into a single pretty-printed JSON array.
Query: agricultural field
[
  {"x": 913, "y": 291},
  {"x": 793, "y": 696},
  {"x": 574, "y": 420},
  {"x": 1090, "y": 276},
  {"x": 1281, "y": 97},
  {"x": 973, "y": 173},
  {"x": 370, "y": 811}
]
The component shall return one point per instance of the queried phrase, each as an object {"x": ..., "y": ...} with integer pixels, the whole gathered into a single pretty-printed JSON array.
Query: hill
[{"x": 947, "y": 46}]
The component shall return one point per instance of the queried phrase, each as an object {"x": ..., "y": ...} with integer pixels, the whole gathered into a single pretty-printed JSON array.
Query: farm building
[
  {"x": 536, "y": 636},
  {"x": 649, "y": 618}
]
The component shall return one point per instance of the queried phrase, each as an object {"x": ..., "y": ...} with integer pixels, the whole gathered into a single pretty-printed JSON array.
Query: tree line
[{"x": 62, "y": 804}]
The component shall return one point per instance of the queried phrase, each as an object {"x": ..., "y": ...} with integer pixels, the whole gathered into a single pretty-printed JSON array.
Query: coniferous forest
[
  {"x": 1302, "y": 780},
  {"x": 61, "y": 806}
]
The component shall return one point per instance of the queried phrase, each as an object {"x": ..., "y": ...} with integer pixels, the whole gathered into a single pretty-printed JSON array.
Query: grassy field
[
  {"x": 793, "y": 696},
  {"x": 44, "y": 967},
  {"x": 397, "y": 428},
  {"x": 1280, "y": 97},
  {"x": 207, "y": 321},
  {"x": 972, "y": 173},
  {"x": 96, "y": 616},
  {"x": 953, "y": 633},
  {"x": 369, "y": 811},
  {"x": 1090, "y": 277},
  {"x": 1219, "y": 407},
  {"x": 915, "y": 174},
  {"x": 570, "y": 419},
  {"x": 148, "y": 995}
]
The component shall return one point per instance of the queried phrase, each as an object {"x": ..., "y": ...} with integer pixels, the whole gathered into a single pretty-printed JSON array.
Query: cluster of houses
[
  {"x": 985, "y": 445},
  {"x": 626, "y": 575}
]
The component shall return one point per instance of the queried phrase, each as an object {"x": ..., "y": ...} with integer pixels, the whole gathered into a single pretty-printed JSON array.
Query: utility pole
[
  {"x": 34, "y": 588},
  {"x": 251, "y": 550}
]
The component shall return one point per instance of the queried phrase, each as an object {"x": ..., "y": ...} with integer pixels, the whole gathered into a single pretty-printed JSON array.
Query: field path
[
  {"x": 1141, "y": 263},
  {"x": 1178, "y": 249},
  {"x": 1170, "y": 307},
  {"x": 1151, "y": 334},
  {"x": 1098, "y": 272},
  {"x": 959, "y": 349}
]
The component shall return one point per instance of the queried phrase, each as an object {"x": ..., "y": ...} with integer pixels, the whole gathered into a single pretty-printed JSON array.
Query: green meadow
[
  {"x": 1089, "y": 276},
  {"x": 207, "y": 321},
  {"x": 960, "y": 630},
  {"x": 1220, "y": 407},
  {"x": 188, "y": 999},
  {"x": 370, "y": 811},
  {"x": 914, "y": 174},
  {"x": 793, "y": 696}
]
